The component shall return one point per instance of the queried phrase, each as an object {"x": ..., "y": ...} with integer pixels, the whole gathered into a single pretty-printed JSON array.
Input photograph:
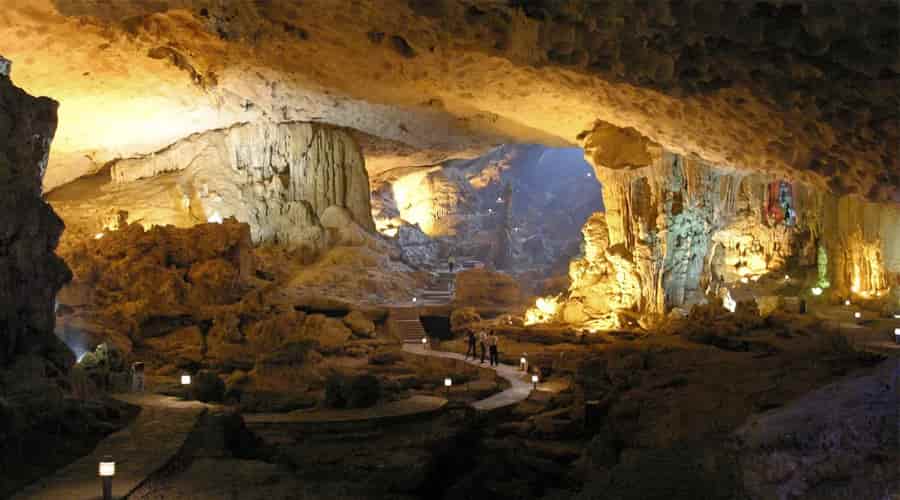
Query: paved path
[
  {"x": 520, "y": 386},
  {"x": 139, "y": 450},
  {"x": 416, "y": 405}
]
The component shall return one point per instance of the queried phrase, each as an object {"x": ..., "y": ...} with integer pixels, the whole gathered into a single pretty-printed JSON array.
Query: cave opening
[{"x": 518, "y": 208}]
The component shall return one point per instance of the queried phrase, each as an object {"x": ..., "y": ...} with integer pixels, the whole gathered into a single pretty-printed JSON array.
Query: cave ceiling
[{"x": 807, "y": 90}]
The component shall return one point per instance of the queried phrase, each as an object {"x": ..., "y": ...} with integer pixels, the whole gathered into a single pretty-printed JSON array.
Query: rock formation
[
  {"x": 678, "y": 230},
  {"x": 278, "y": 178},
  {"x": 33, "y": 362},
  {"x": 525, "y": 202},
  {"x": 842, "y": 442}
]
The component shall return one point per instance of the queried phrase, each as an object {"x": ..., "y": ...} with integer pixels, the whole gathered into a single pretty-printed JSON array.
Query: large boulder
[
  {"x": 481, "y": 287},
  {"x": 360, "y": 324},
  {"x": 330, "y": 333}
]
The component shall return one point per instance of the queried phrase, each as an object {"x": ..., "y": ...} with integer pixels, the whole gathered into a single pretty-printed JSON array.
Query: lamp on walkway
[
  {"x": 534, "y": 381},
  {"x": 106, "y": 470},
  {"x": 447, "y": 383},
  {"x": 185, "y": 379}
]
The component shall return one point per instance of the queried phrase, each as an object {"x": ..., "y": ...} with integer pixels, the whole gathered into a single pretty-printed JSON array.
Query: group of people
[{"x": 489, "y": 346}]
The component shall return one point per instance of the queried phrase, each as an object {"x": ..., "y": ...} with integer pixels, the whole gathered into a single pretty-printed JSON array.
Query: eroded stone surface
[{"x": 760, "y": 86}]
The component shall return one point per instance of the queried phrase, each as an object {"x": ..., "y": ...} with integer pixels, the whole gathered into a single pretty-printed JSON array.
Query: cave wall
[
  {"x": 32, "y": 359},
  {"x": 863, "y": 244},
  {"x": 678, "y": 230},
  {"x": 278, "y": 177}
]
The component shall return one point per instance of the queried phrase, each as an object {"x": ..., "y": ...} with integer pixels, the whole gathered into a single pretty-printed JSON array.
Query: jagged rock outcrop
[
  {"x": 30, "y": 271},
  {"x": 145, "y": 282},
  {"x": 33, "y": 362}
]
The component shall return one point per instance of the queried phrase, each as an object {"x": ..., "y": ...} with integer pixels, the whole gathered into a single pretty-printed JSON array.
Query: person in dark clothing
[
  {"x": 493, "y": 340},
  {"x": 471, "y": 342},
  {"x": 482, "y": 338}
]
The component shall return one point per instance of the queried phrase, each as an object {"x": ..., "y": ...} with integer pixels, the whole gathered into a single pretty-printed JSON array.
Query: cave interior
[{"x": 450, "y": 249}]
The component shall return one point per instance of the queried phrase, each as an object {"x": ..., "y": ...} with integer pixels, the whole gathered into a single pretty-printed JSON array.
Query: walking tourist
[
  {"x": 493, "y": 341},
  {"x": 482, "y": 338},
  {"x": 471, "y": 345}
]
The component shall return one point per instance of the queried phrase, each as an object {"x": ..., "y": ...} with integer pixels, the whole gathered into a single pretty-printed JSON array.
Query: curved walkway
[
  {"x": 519, "y": 390},
  {"x": 145, "y": 446}
]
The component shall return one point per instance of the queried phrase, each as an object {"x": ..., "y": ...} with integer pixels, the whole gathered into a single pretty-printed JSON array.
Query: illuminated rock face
[
  {"x": 679, "y": 231},
  {"x": 278, "y": 178},
  {"x": 30, "y": 271},
  {"x": 791, "y": 88},
  {"x": 525, "y": 201},
  {"x": 863, "y": 244}
]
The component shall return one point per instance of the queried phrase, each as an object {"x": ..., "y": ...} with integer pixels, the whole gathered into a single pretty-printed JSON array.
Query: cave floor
[{"x": 139, "y": 450}]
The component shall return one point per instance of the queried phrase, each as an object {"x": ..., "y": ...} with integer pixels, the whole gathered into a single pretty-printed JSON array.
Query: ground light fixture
[
  {"x": 857, "y": 315},
  {"x": 447, "y": 383},
  {"x": 106, "y": 471},
  {"x": 847, "y": 302},
  {"x": 415, "y": 299},
  {"x": 185, "y": 379},
  {"x": 534, "y": 381},
  {"x": 425, "y": 342},
  {"x": 523, "y": 364},
  {"x": 897, "y": 335},
  {"x": 817, "y": 291}
]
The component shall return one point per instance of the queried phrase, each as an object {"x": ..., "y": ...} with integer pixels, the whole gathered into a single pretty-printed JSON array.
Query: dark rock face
[{"x": 30, "y": 272}]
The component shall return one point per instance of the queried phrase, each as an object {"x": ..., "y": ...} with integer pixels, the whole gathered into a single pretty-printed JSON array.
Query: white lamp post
[
  {"x": 106, "y": 470},
  {"x": 425, "y": 342},
  {"x": 857, "y": 315},
  {"x": 185, "y": 379},
  {"x": 523, "y": 364},
  {"x": 447, "y": 383},
  {"x": 534, "y": 381},
  {"x": 897, "y": 335}
]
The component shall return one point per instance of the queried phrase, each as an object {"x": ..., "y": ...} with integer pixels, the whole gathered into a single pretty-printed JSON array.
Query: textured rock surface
[
  {"x": 30, "y": 271},
  {"x": 679, "y": 231},
  {"x": 140, "y": 275},
  {"x": 483, "y": 288},
  {"x": 278, "y": 178},
  {"x": 463, "y": 205},
  {"x": 837, "y": 442},
  {"x": 765, "y": 85}
]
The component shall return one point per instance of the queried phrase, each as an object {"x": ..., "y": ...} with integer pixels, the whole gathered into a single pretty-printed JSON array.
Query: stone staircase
[
  {"x": 404, "y": 322},
  {"x": 440, "y": 291}
]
